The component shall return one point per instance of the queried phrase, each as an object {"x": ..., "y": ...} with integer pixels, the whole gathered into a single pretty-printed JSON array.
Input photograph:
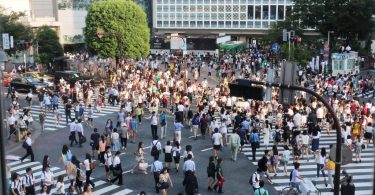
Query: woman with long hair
[
  {"x": 108, "y": 126},
  {"x": 77, "y": 179},
  {"x": 165, "y": 181},
  {"x": 275, "y": 159},
  {"x": 176, "y": 153},
  {"x": 139, "y": 156},
  {"x": 211, "y": 172},
  {"x": 46, "y": 161},
  {"x": 102, "y": 149}
]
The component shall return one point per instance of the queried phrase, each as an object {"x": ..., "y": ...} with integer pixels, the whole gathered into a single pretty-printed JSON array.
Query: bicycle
[{"x": 289, "y": 190}]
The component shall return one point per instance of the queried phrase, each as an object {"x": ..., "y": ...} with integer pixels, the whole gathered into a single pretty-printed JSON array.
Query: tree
[
  {"x": 9, "y": 23},
  {"x": 49, "y": 45},
  {"x": 117, "y": 28},
  {"x": 349, "y": 19}
]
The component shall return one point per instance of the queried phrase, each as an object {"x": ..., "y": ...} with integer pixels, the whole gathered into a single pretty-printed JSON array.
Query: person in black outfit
[
  {"x": 95, "y": 142},
  {"x": 348, "y": 188},
  {"x": 190, "y": 182},
  {"x": 68, "y": 111}
]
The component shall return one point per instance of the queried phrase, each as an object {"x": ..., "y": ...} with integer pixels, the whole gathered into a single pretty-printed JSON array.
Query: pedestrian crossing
[
  {"x": 362, "y": 172},
  {"x": 50, "y": 124},
  {"x": 101, "y": 187}
]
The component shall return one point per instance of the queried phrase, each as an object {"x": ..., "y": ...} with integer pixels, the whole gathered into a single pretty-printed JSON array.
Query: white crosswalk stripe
[
  {"x": 101, "y": 187},
  {"x": 50, "y": 124},
  {"x": 361, "y": 172}
]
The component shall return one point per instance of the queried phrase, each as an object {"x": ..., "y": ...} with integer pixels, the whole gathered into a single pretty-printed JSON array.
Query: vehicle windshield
[{"x": 31, "y": 80}]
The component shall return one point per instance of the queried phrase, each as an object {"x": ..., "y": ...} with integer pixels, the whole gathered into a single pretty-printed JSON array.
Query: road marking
[
  {"x": 128, "y": 171},
  {"x": 207, "y": 149}
]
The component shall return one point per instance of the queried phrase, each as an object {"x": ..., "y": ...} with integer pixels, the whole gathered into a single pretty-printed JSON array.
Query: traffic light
[{"x": 243, "y": 88}]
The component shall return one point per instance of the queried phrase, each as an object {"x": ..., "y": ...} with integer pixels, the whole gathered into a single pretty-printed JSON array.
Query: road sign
[
  {"x": 346, "y": 157},
  {"x": 275, "y": 47},
  {"x": 6, "y": 44}
]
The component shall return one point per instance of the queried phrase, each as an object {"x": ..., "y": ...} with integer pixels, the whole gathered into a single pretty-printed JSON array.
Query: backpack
[
  {"x": 25, "y": 145},
  {"x": 154, "y": 149},
  {"x": 291, "y": 175},
  {"x": 251, "y": 178},
  {"x": 277, "y": 136}
]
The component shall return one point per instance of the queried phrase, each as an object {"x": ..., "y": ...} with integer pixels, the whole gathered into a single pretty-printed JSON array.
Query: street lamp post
[
  {"x": 335, "y": 119},
  {"x": 3, "y": 171}
]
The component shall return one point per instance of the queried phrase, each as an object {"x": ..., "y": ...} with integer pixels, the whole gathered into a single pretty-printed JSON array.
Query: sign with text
[{"x": 6, "y": 44}]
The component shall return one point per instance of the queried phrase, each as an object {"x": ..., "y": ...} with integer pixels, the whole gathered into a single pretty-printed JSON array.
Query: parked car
[
  {"x": 27, "y": 84},
  {"x": 70, "y": 76}
]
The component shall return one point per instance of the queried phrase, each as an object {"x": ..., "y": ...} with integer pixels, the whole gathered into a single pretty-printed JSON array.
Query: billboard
[
  {"x": 201, "y": 44},
  {"x": 160, "y": 43}
]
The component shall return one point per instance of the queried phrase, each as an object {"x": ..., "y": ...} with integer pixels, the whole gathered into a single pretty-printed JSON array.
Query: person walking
[
  {"x": 15, "y": 184},
  {"x": 42, "y": 119},
  {"x": 47, "y": 179},
  {"x": 156, "y": 168},
  {"x": 95, "y": 137},
  {"x": 163, "y": 124},
  {"x": 203, "y": 122},
  {"x": 124, "y": 134},
  {"x": 115, "y": 138},
  {"x": 285, "y": 156},
  {"x": 235, "y": 143},
  {"x": 255, "y": 179},
  {"x": 134, "y": 125},
  {"x": 254, "y": 141},
  {"x": 88, "y": 164},
  {"x": 211, "y": 172},
  {"x": 60, "y": 186},
  {"x": 156, "y": 148},
  {"x": 274, "y": 159},
  {"x": 28, "y": 182},
  {"x": 177, "y": 130},
  {"x": 73, "y": 131},
  {"x": 217, "y": 141},
  {"x": 191, "y": 183},
  {"x": 266, "y": 131},
  {"x": 176, "y": 153},
  {"x": 165, "y": 181},
  {"x": 108, "y": 163},
  {"x": 79, "y": 130},
  {"x": 117, "y": 169},
  {"x": 68, "y": 111},
  {"x": 154, "y": 124},
  {"x": 167, "y": 154},
  {"x": 219, "y": 176},
  {"x": 195, "y": 125},
  {"x": 27, "y": 145},
  {"x": 102, "y": 149},
  {"x": 139, "y": 157},
  {"x": 261, "y": 190}
]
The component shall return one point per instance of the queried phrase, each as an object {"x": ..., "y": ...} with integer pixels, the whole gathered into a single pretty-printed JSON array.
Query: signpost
[{"x": 6, "y": 43}]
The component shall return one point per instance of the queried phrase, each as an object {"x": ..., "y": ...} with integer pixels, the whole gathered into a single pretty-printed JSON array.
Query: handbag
[
  {"x": 220, "y": 182},
  {"x": 83, "y": 139},
  {"x": 92, "y": 165},
  {"x": 143, "y": 166}
]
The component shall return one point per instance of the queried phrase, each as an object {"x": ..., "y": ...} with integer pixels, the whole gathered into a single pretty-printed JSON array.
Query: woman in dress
[
  {"x": 139, "y": 157},
  {"x": 56, "y": 114},
  {"x": 167, "y": 154}
]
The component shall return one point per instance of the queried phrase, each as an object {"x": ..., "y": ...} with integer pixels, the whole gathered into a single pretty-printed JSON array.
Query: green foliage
[
  {"x": 9, "y": 24},
  {"x": 123, "y": 27},
  {"x": 49, "y": 45},
  {"x": 350, "y": 19},
  {"x": 299, "y": 53}
]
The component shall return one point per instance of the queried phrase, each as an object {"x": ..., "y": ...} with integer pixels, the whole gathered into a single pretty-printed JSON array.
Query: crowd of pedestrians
[{"x": 153, "y": 89}]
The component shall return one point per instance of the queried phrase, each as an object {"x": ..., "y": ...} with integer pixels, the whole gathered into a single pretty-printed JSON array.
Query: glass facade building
[{"x": 219, "y": 14}]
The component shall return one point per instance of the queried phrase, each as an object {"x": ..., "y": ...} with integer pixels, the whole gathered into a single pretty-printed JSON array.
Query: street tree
[
  {"x": 49, "y": 45},
  {"x": 349, "y": 19},
  {"x": 117, "y": 28},
  {"x": 9, "y": 23}
]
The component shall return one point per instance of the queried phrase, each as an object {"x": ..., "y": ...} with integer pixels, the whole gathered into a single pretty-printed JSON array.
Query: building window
[
  {"x": 235, "y": 24},
  {"x": 207, "y": 2},
  {"x": 243, "y": 16},
  {"x": 159, "y": 8},
  {"x": 172, "y": 2},
  {"x": 213, "y": 1},
  {"x": 199, "y": 23},
  {"x": 199, "y": 16},
  {"x": 172, "y": 8},
  {"x": 221, "y": 16},
  {"x": 273, "y": 12},
  {"x": 159, "y": 23},
  {"x": 221, "y": 8},
  {"x": 192, "y": 2},
  {"x": 165, "y": 2},
  {"x": 200, "y": 8},
  {"x": 228, "y": 16},
  {"x": 236, "y": 8},
  {"x": 159, "y": 2},
  {"x": 235, "y": 16},
  {"x": 265, "y": 2},
  {"x": 179, "y": 23},
  {"x": 171, "y": 16},
  {"x": 228, "y": 1},
  {"x": 242, "y": 24},
  {"x": 172, "y": 24},
  {"x": 221, "y": 2},
  {"x": 186, "y": 8},
  {"x": 192, "y": 24},
  {"x": 265, "y": 12},
  {"x": 265, "y": 25},
  {"x": 280, "y": 12},
  {"x": 250, "y": 24},
  {"x": 178, "y": 16},
  {"x": 258, "y": 2},
  {"x": 228, "y": 24},
  {"x": 213, "y": 24},
  {"x": 243, "y": 1},
  {"x": 186, "y": 23},
  {"x": 228, "y": 8},
  {"x": 214, "y": 8},
  {"x": 257, "y": 12},
  {"x": 200, "y": 2},
  {"x": 192, "y": 8},
  {"x": 206, "y": 8},
  {"x": 206, "y": 24},
  {"x": 193, "y": 16},
  {"x": 159, "y": 16},
  {"x": 235, "y": 1},
  {"x": 178, "y": 1},
  {"x": 165, "y": 16},
  {"x": 206, "y": 16},
  {"x": 257, "y": 25},
  {"x": 214, "y": 16},
  {"x": 165, "y": 8},
  {"x": 250, "y": 12},
  {"x": 221, "y": 24},
  {"x": 186, "y": 16},
  {"x": 243, "y": 8},
  {"x": 178, "y": 8}
]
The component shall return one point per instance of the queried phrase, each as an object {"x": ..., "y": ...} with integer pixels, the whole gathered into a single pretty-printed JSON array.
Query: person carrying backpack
[
  {"x": 254, "y": 141},
  {"x": 262, "y": 165},
  {"x": 255, "y": 179},
  {"x": 155, "y": 148}
]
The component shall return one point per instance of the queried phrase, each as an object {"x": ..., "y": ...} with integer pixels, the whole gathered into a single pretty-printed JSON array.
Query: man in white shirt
[
  {"x": 296, "y": 177},
  {"x": 11, "y": 120},
  {"x": 177, "y": 131},
  {"x": 297, "y": 119},
  {"x": 79, "y": 130},
  {"x": 72, "y": 129},
  {"x": 319, "y": 114},
  {"x": 156, "y": 168},
  {"x": 27, "y": 145},
  {"x": 154, "y": 125},
  {"x": 217, "y": 140},
  {"x": 156, "y": 143}
]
